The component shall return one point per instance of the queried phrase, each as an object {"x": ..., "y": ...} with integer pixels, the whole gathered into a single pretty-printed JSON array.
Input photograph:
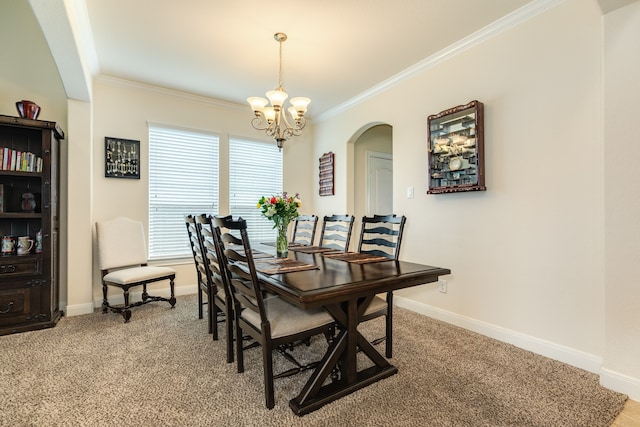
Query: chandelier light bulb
[
  {"x": 269, "y": 114},
  {"x": 277, "y": 97},
  {"x": 257, "y": 103},
  {"x": 300, "y": 104}
]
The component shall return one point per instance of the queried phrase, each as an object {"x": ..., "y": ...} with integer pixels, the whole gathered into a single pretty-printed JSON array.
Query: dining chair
[
  {"x": 304, "y": 229},
  {"x": 204, "y": 287},
  {"x": 336, "y": 232},
  {"x": 272, "y": 322},
  {"x": 221, "y": 302},
  {"x": 382, "y": 235},
  {"x": 122, "y": 259}
]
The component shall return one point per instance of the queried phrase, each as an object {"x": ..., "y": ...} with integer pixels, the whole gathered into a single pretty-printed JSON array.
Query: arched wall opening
[{"x": 372, "y": 138}]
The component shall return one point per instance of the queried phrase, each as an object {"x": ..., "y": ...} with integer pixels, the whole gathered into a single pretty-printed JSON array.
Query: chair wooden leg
[
  {"x": 200, "y": 310},
  {"x": 239, "y": 347},
  {"x": 213, "y": 318},
  {"x": 229, "y": 324},
  {"x": 126, "y": 313},
  {"x": 267, "y": 358},
  {"x": 172, "y": 286},
  {"x": 105, "y": 303},
  {"x": 211, "y": 313}
]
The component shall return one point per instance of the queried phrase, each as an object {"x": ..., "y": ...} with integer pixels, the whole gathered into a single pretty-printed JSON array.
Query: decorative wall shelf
[
  {"x": 456, "y": 149},
  {"x": 327, "y": 174}
]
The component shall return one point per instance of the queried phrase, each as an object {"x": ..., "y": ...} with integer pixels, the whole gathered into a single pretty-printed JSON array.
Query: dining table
[{"x": 344, "y": 284}]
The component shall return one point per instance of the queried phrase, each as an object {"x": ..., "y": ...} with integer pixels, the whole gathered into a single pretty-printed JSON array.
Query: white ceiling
[
  {"x": 336, "y": 49},
  {"x": 225, "y": 49}
]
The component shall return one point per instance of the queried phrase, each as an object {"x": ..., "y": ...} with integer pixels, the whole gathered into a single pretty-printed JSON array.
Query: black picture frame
[{"x": 121, "y": 158}]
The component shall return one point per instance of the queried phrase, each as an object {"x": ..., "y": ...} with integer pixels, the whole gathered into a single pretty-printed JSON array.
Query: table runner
[
  {"x": 291, "y": 244},
  {"x": 357, "y": 257}
]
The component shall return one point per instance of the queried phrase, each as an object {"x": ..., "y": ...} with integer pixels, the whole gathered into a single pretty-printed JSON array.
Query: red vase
[{"x": 28, "y": 109}]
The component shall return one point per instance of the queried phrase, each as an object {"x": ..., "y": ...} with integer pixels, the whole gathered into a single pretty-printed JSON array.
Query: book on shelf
[{"x": 21, "y": 161}]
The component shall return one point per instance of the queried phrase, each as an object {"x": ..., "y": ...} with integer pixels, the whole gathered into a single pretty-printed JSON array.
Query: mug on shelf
[
  {"x": 25, "y": 244},
  {"x": 8, "y": 245}
]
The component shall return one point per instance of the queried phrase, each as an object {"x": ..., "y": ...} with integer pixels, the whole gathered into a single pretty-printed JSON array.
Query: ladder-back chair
[
  {"x": 304, "y": 229},
  {"x": 382, "y": 235},
  {"x": 273, "y": 322},
  {"x": 198, "y": 260},
  {"x": 336, "y": 232},
  {"x": 221, "y": 299}
]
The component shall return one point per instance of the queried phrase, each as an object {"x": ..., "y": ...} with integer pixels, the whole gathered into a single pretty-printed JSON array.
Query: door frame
[{"x": 369, "y": 155}]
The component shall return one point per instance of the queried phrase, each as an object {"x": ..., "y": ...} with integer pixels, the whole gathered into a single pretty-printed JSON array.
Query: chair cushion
[
  {"x": 376, "y": 305},
  {"x": 287, "y": 319},
  {"x": 127, "y": 276}
]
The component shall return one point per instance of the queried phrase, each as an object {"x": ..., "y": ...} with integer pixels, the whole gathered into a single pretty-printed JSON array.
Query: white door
[{"x": 379, "y": 183}]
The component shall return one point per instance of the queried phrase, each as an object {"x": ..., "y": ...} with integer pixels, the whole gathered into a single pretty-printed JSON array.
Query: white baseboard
[
  {"x": 118, "y": 298},
  {"x": 620, "y": 383},
  {"x": 78, "y": 309},
  {"x": 589, "y": 362}
]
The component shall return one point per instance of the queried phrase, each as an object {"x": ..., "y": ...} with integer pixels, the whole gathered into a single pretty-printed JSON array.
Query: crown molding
[
  {"x": 117, "y": 81},
  {"x": 497, "y": 27}
]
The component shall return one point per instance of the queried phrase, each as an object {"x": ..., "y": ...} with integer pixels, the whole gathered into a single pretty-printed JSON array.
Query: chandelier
[{"x": 272, "y": 119}]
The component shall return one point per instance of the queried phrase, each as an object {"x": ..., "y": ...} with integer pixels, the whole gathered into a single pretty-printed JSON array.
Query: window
[
  {"x": 255, "y": 170},
  {"x": 183, "y": 180}
]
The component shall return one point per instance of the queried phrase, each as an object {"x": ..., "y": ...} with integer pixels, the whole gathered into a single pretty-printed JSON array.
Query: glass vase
[{"x": 282, "y": 241}]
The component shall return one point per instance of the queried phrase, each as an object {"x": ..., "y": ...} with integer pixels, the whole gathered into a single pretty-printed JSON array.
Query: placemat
[
  {"x": 282, "y": 265},
  {"x": 291, "y": 244},
  {"x": 357, "y": 257},
  {"x": 256, "y": 253},
  {"x": 312, "y": 249}
]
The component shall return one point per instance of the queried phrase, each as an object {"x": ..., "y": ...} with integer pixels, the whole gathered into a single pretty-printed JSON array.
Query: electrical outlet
[{"x": 442, "y": 286}]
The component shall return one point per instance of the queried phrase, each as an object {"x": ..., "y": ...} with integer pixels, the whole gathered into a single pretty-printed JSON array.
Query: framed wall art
[
  {"x": 121, "y": 158},
  {"x": 326, "y": 174}
]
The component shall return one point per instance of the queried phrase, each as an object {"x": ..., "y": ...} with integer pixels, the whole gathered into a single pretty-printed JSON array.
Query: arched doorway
[{"x": 370, "y": 170}]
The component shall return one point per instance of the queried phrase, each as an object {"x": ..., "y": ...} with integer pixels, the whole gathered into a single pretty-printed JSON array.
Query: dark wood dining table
[{"x": 345, "y": 290}]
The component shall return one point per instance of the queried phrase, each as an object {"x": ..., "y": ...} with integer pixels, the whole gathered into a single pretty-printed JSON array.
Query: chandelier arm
[
  {"x": 287, "y": 125},
  {"x": 259, "y": 122},
  {"x": 301, "y": 123}
]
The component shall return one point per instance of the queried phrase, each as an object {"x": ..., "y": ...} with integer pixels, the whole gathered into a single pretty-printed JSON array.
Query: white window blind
[
  {"x": 255, "y": 170},
  {"x": 183, "y": 180}
]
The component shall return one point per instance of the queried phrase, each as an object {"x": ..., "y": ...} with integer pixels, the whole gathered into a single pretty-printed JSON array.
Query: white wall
[
  {"x": 123, "y": 109},
  {"x": 622, "y": 198},
  {"x": 526, "y": 255},
  {"x": 27, "y": 70}
]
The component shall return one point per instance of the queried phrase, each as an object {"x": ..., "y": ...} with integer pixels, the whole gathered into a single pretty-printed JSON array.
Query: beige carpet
[{"x": 163, "y": 369}]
